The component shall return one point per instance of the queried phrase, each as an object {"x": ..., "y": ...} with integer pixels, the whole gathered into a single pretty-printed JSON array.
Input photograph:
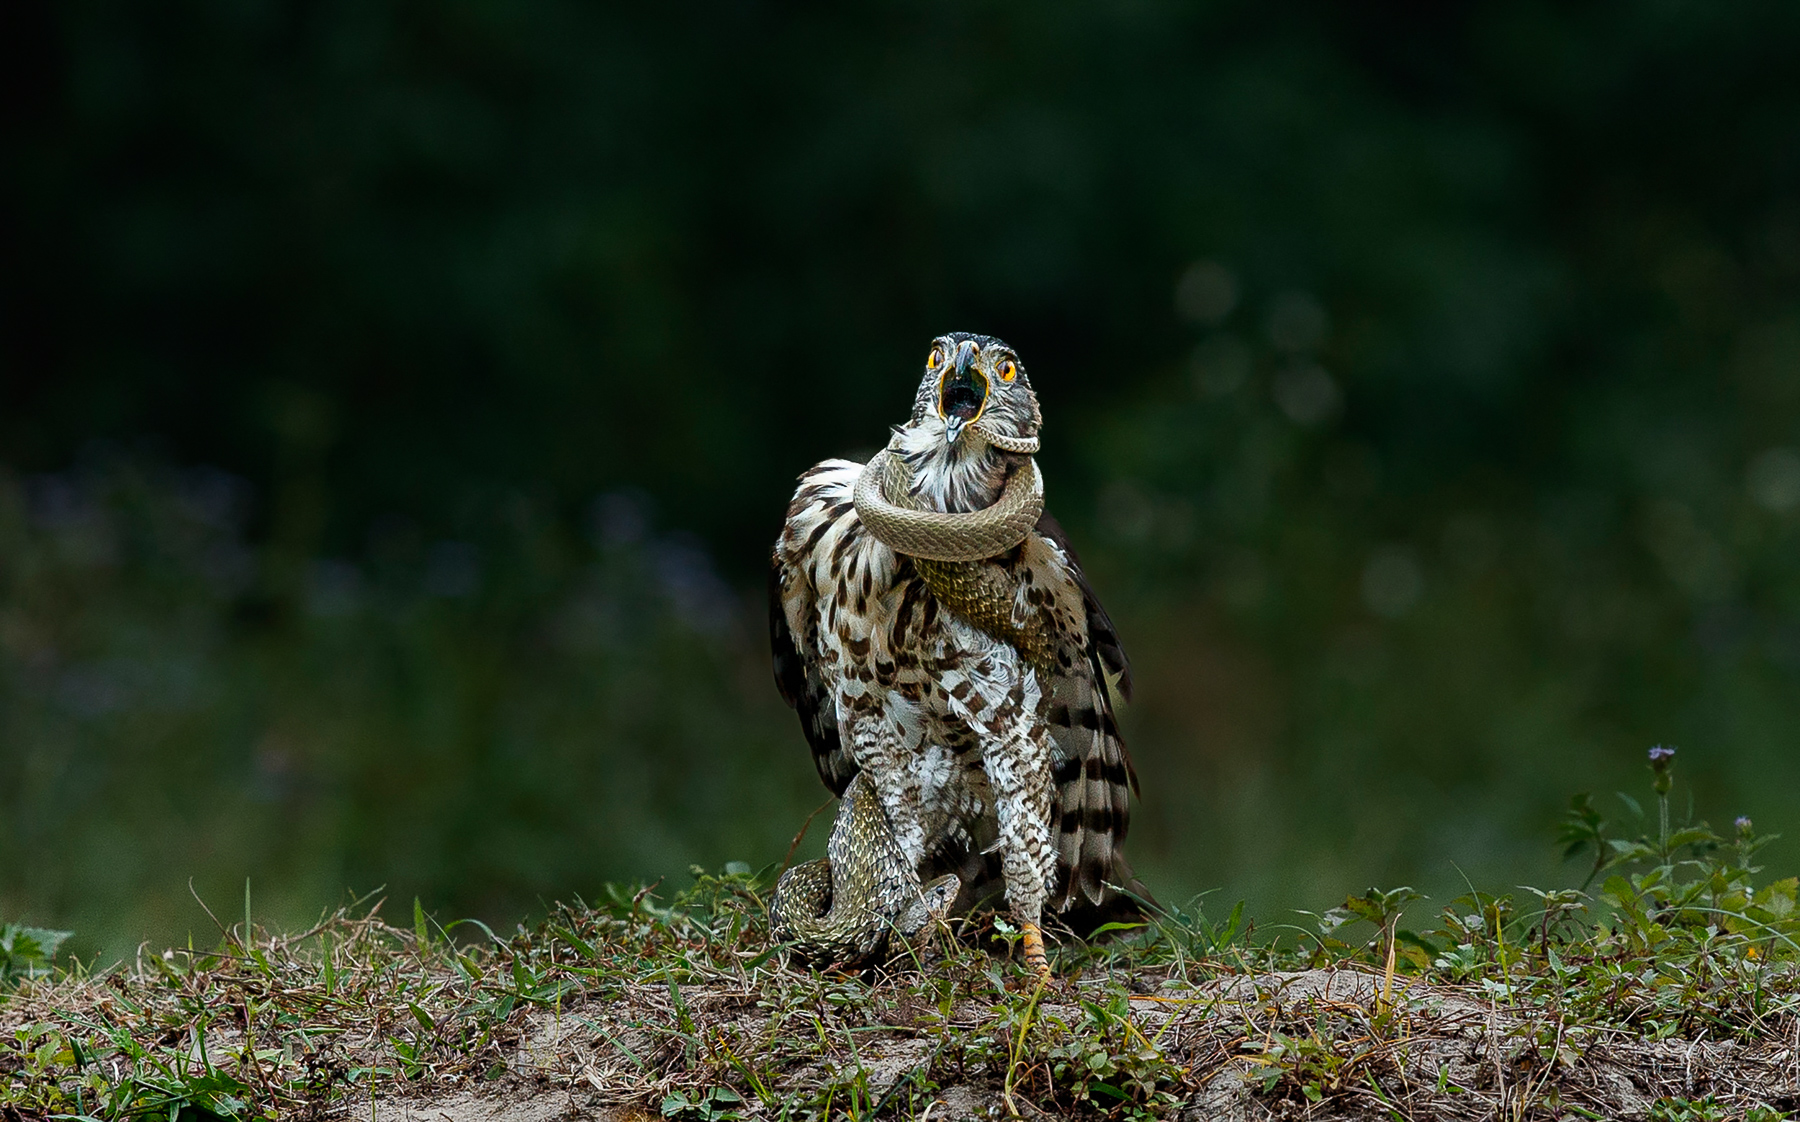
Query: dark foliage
[{"x": 1422, "y": 387}]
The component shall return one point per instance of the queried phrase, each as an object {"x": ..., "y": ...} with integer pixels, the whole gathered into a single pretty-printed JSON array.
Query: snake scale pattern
[{"x": 844, "y": 908}]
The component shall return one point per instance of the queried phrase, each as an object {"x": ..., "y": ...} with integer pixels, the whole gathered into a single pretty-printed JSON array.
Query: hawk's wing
[
  {"x": 1101, "y": 635},
  {"x": 817, "y": 521},
  {"x": 1094, "y": 777}
]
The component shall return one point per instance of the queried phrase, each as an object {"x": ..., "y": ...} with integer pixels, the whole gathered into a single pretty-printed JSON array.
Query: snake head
[{"x": 933, "y": 903}]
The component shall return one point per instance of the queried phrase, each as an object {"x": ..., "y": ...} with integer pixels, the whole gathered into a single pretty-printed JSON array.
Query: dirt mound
[{"x": 1320, "y": 1044}]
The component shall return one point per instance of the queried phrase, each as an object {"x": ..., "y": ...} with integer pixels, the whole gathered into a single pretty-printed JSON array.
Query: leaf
[
  {"x": 1334, "y": 919},
  {"x": 1582, "y": 825},
  {"x": 1778, "y": 899},
  {"x": 682, "y": 1016},
  {"x": 1234, "y": 923},
  {"x": 27, "y": 951},
  {"x": 1416, "y": 957},
  {"x": 486, "y": 930},
  {"x": 48, "y": 941},
  {"x": 1416, "y": 948},
  {"x": 585, "y": 948},
  {"x": 1692, "y": 835},
  {"x": 1114, "y": 1092},
  {"x": 1618, "y": 892}
]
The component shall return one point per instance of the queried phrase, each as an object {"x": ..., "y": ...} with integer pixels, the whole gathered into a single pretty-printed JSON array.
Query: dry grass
[
  {"x": 682, "y": 1008},
  {"x": 1671, "y": 993}
]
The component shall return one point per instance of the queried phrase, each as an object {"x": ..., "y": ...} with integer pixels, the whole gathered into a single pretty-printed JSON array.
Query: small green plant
[
  {"x": 27, "y": 952},
  {"x": 1681, "y": 938},
  {"x": 1685, "y": 877},
  {"x": 1709, "y": 1110},
  {"x": 1312, "y": 1064},
  {"x": 1678, "y": 937},
  {"x": 681, "y": 1002},
  {"x": 715, "y": 1104}
]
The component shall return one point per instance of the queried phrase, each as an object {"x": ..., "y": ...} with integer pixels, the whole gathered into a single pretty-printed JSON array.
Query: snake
[
  {"x": 843, "y": 908},
  {"x": 938, "y": 536}
]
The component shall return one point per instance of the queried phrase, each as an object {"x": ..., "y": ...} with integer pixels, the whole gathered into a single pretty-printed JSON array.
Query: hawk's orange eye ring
[
  {"x": 937, "y": 357},
  {"x": 1008, "y": 371}
]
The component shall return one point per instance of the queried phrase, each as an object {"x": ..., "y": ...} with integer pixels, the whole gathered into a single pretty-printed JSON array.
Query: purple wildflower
[{"x": 1661, "y": 758}]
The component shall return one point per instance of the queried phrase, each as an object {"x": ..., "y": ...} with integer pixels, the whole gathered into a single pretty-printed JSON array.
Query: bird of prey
[{"x": 971, "y": 685}]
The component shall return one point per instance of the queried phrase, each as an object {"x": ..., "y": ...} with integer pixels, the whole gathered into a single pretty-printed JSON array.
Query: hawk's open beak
[{"x": 962, "y": 394}]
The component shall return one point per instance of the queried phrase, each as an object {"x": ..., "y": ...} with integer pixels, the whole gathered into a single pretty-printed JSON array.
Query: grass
[{"x": 1667, "y": 988}]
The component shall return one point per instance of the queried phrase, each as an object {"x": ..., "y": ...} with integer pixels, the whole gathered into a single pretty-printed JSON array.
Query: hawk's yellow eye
[
  {"x": 1008, "y": 371},
  {"x": 936, "y": 359}
]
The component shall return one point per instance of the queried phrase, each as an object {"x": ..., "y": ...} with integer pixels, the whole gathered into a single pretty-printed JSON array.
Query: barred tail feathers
[{"x": 1094, "y": 783}]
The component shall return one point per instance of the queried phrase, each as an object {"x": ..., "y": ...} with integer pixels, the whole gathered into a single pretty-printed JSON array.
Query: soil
[{"x": 1418, "y": 1052}]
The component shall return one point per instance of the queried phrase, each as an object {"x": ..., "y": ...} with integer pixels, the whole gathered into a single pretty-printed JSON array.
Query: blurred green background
[{"x": 400, "y": 399}]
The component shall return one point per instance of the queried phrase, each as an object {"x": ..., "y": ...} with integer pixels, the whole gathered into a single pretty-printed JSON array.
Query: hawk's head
[{"x": 975, "y": 388}]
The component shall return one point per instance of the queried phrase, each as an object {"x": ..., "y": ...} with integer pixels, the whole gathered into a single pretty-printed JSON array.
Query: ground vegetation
[{"x": 1666, "y": 988}]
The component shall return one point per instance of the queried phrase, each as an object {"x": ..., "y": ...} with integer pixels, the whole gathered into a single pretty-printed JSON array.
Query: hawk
[{"x": 972, "y": 691}]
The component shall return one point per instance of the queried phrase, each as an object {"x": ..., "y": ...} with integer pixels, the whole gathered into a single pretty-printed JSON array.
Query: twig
[{"x": 804, "y": 826}]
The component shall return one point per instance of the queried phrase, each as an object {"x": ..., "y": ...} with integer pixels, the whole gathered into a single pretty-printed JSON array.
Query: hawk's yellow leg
[{"x": 1034, "y": 949}]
